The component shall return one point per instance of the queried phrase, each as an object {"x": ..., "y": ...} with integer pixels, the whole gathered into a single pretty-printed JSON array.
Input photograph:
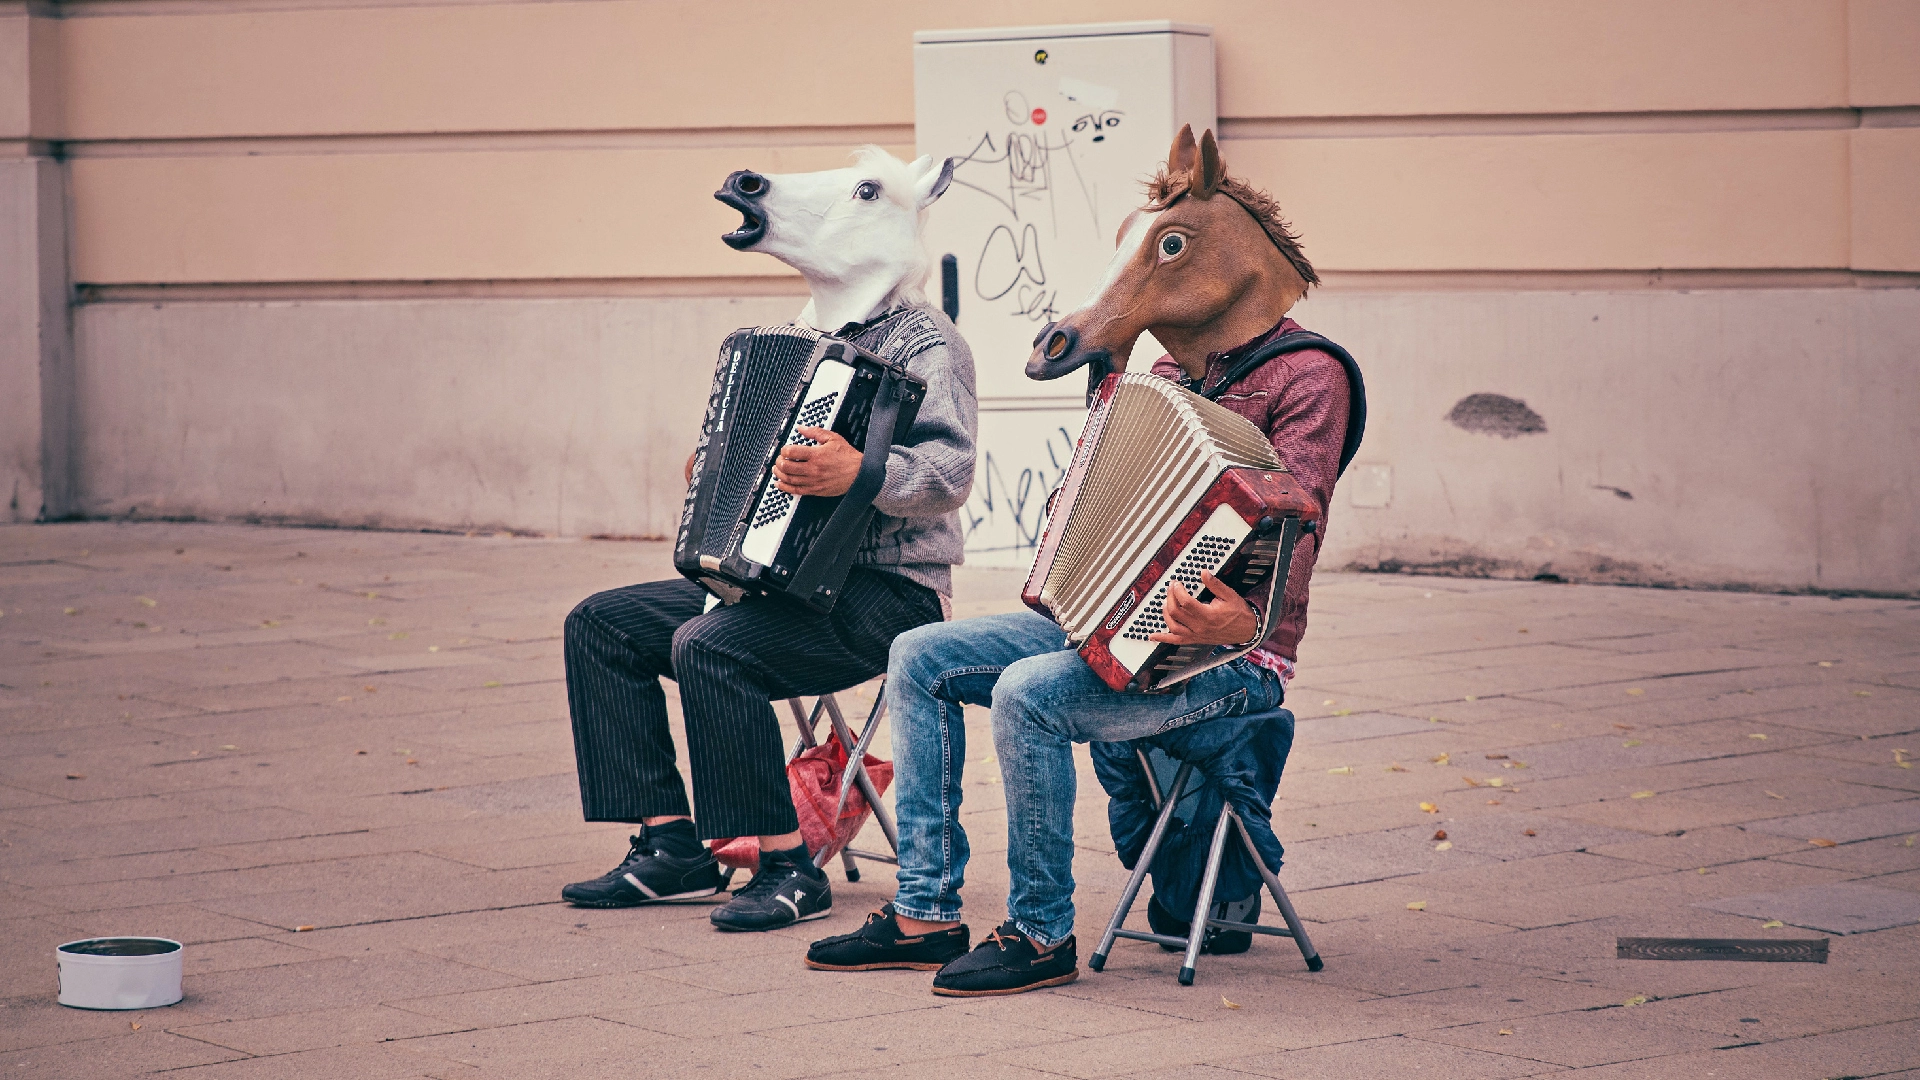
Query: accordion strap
[
  {"x": 1300, "y": 341},
  {"x": 849, "y": 518}
]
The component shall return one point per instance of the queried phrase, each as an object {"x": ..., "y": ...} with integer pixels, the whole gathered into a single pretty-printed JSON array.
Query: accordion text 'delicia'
[{"x": 1164, "y": 485}]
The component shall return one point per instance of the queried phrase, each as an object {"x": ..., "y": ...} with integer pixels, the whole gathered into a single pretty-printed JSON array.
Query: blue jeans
[{"x": 1044, "y": 699}]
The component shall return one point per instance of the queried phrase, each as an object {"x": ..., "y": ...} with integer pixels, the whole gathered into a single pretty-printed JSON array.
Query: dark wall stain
[{"x": 1496, "y": 414}]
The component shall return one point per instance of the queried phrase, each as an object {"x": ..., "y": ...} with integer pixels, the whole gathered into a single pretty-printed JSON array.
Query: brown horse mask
[{"x": 1206, "y": 265}]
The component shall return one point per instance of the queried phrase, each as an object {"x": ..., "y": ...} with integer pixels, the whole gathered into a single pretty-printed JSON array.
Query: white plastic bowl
[{"x": 119, "y": 972}]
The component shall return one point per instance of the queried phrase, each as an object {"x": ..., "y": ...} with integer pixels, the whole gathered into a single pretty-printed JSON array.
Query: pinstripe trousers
[{"x": 730, "y": 663}]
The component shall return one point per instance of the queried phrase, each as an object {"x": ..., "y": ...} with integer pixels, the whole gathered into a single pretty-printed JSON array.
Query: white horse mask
[{"x": 854, "y": 234}]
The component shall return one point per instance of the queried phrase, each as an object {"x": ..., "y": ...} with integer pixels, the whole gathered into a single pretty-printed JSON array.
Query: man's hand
[
  {"x": 1224, "y": 620},
  {"x": 826, "y": 469}
]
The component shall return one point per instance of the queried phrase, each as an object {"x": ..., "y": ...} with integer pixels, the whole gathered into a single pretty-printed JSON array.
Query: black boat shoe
[
  {"x": 1007, "y": 963},
  {"x": 879, "y": 944},
  {"x": 649, "y": 875}
]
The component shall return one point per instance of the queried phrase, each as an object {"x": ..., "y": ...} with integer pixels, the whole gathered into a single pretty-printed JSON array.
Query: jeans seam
[{"x": 940, "y": 681}]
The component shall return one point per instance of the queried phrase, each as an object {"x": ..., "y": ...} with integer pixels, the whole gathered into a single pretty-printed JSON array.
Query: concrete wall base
[
  {"x": 1767, "y": 438},
  {"x": 36, "y": 354}
]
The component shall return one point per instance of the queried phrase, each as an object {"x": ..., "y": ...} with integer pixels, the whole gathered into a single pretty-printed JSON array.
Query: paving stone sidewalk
[{"x": 337, "y": 765}]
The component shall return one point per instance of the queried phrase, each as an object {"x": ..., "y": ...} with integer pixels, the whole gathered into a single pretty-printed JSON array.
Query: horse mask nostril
[
  {"x": 1059, "y": 344},
  {"x": 752, "y": 185}
]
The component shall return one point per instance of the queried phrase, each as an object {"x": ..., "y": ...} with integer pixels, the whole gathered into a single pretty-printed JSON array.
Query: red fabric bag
[{"x": 814, "y": 777}]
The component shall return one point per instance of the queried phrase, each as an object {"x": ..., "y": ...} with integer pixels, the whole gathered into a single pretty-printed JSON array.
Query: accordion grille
[
  {"x": 766, "y": 385},
  {"x": 1157, "y": 450}
]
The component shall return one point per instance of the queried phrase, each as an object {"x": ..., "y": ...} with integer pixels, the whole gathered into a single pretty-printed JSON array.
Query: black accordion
[{"x": 740, "y": 535}]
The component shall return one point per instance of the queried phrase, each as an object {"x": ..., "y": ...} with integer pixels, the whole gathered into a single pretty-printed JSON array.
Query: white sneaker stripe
[
  {"x": 635, "y": 882},
  {"x": 795, "y": 908}
]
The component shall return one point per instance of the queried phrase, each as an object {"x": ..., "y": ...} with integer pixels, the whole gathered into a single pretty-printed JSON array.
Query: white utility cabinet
[{"x": 1055, "y": 128}]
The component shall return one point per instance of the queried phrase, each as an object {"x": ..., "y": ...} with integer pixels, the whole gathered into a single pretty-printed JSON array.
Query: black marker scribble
[{"x": 1021, "y": 507}]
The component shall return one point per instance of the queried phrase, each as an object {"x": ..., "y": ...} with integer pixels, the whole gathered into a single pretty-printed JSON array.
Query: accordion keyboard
[{"x": 775, "y": 509}]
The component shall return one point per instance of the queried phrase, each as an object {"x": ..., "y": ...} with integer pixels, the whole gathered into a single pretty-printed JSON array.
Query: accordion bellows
[{"x": 1164, "y": 484}]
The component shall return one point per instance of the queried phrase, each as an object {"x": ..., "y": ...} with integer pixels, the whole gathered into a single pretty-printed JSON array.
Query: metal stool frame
[
  {"x": 855, "y": 774},
  {"x": 1197, "y": 929}
]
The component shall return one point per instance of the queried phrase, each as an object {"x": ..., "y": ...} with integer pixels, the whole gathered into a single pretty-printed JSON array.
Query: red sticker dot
[{"x": 1039, "y": 116}]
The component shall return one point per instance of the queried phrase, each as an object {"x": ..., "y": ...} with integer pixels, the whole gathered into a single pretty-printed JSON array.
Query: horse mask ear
[
  {"x": 932, "y": 180},
  {"x": 1181, "y": 155},
  {"x": 1206, "y": 172}
]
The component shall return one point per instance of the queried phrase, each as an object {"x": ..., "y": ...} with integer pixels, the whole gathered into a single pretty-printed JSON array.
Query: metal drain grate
[{"x": 1791, "y": 951}]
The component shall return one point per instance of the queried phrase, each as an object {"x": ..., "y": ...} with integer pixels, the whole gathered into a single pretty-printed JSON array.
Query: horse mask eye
[
  {"x": 1172, "y": 245},
  {"x": 867, "y": 191}
]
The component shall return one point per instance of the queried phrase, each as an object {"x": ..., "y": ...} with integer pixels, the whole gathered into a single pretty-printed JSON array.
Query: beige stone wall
[{"x": 240, "y": 175}]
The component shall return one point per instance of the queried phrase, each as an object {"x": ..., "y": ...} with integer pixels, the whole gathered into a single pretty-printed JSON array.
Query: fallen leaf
[
  {"x": 229, "y": 746},
  {"x": 1631, "y": 743},
  {"x": 269, "y": 623},
  {"x": 1344, "y": 770},
  {"x": 433, "y": 648},
  {"x": 1429, "y": 808},
  {"x": 397, "y": 635},
  {"x": 361, "y": 752},
  {"x": 1444, "y": 845},
  {"x": 76, "y": 776},
  {"x": 1506, "y": 1031},
  {"x": 1440, "y": 834},
  {"x": 134, "y": 1024},
  {"x": 1826, "y": 663},
  {"x": 147, "y": 601},
  {"x": 1496, "y": 757},
  {"x": 1637, "y": 999},
  {"x": 411, "y": 761},
  {"x": 371, "y": 595},
  {"x": 1821, "y": 841},
  {"x": 1909, "y": 842},
  {"x": 1443, "y": 758},
  {"x": 1702, "y": 871},
  {"x": 1635, "y": 691},
  {"x": 344, "y": 697},
  {"x": 1433, "y": 720},
  {"x": 1228, "y": 1004},
  {"x": 1496, "y": 782},
  {"x": 1524, "y": 630},
  {"x": 1329, "y": 701},
  {"x": 369, "y": 688},
  {"x": 1757, "y": 735},
  {"x": 1343, "y": 712},
  {"x": 1772, "y": 924},
  {"x": 1471, "y": 782},
  {"x": 1772, "y": 795},
  {"x": 1863, "y": 693},
  {"x": 1470, "y": 697},
  {"x": 1493, "y": 802},
  {"x": 1396, "y": 767},
  {"x": 1528, "y": 832},
  {"x": 71, "y": 611},
  {"x": 376, "y": 622},
  {"x": 1624, "y": 727},
  {"x": 1417, "y": 905},
  {"x": 1641, "y": 795},
  {"x": 988, "y": 760},
  {"x": 490, "y": 684},
  {"x": 301, "y": 929}
]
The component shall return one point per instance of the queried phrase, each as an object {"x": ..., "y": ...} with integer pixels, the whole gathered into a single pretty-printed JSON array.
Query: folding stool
[
  {"x": 855, "y": 774},
  {"x": 1202, "y": 920}
]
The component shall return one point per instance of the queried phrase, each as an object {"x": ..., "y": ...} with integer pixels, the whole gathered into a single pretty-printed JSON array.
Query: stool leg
[
  {"x": 1099, "y": 958},
  {"x": 1294, "y": 925},
  {"x": 1197, "y": 930},
  {"x": 846, "y": 863}
]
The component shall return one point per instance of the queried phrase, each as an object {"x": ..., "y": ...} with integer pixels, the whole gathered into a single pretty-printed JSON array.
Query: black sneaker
[
  {"x": 1218, "y": 942},
  {"x": 878, "y": 945},
  {"x": 1007, "y": 963},
  {"x": 649, "y": 875},
  {"x": 787, "y": 889}
]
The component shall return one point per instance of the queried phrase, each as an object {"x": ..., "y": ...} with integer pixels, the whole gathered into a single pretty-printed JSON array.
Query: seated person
[
  {"x": 1044, "y": 697},
  {"x": 731, "y": 661}
]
